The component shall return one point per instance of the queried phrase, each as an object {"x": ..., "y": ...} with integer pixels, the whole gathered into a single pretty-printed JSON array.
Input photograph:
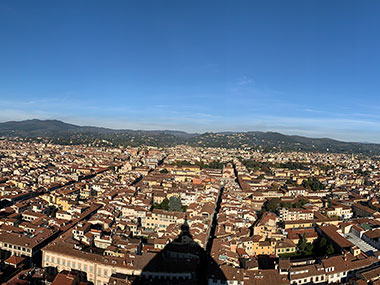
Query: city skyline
[
  {"x": 189, "y": 142},
  {"x": 295, "y": 67}
]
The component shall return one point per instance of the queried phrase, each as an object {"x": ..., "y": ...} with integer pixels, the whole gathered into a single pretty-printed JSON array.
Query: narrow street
[
  {"x": 214, "y": 221},
  {"x": 40, "y": 193}
]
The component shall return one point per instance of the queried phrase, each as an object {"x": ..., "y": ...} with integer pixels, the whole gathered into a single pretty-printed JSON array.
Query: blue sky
[{"x": 298, "y": 67}]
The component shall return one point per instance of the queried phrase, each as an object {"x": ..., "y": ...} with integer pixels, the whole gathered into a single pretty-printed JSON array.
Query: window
[
  {"x": 58, "y": 260},
  {"x": 73, "y": 265},
  {"x": 85, "y": 268},
  {"x": 47, "y": 258},
  {"x": 63, "y": 262},
  {"x": 79, "y": 266},
  {"x": 105, "y": 272},
  {"x": 52, "y": 259},
  {"x": 99, "y": 272},
  {"x": 91, "y": 269}
]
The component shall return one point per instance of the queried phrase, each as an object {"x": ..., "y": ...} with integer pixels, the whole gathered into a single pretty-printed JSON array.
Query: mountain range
[{"x": 64, "y": 133}]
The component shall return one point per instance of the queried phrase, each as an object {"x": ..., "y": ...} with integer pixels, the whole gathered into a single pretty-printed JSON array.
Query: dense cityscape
[
  {"x": 186, "y": 215},
  {"x": 189, "y": 142}
]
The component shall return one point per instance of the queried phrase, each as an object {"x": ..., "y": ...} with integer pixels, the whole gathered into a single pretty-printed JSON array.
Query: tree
[
  {"x": 313, "y": 184},
  {"x": 164, "y": 205},
  {"x": 305, "y": 248},
  {"x": 286, "y": 205},
  {"x": 260, "y": 177},
  {"x": 175, "y": 204},
  {"x": 302, "y": 244},
  {"x": 216, "y": 164},
  {"x": 323, "y": 243},
  {"x": 183, "y": 163},
  {"x": 294, "y": 166},
  {"x": 323, "y": 247},
  {"x": 308, "y": 249},
  {"x": 275, "y": 186},
  {"x": 164, "y": 170},
  {"x": 257, "y": 165},
  {"x": 361, "y": 172},
  {"x": 290, "y": 182},
  {"x": 272, "y": 205},
  {"x": 300, "y": 203},
  {"x": 330, "y": 249}
]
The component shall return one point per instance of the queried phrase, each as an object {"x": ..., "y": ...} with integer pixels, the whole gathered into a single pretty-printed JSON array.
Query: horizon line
[{"x": 191, "y": 133}]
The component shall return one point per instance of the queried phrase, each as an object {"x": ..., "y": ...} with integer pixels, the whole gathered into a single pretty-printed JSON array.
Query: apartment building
[
  {"x": 97, "y": 268},
  {"x": 161, "y": 219},
  {"x": 295, "y": 214}
]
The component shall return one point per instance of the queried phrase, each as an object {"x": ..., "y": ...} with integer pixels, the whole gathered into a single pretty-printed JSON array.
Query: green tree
[
  {"x": 164, "y": 205},
  {"x": 271, "y": 205},
  {"x": 294, "y": 166},
  {"x": 260, "y": 177},
  {"x": 300, "y": 203},
  {"x": 286, "y": 205},
  {"x": 215, "y": 164},
  {"x": 175, "y": 204},
  {"x": 257, "y": 165},
  {"x": 330, "y": 249},
  {"x": 323, "y": 247},
  {"x": 305, "y": 248},
  {"x": 323, "y": 244},
  {"x": 275, "y": 186},
  {"x": 290, "y": 182},
  {"x": 302, "y": 244},
  {"x": 313, "y": 184},
  {"x": 308, "y": 249}
]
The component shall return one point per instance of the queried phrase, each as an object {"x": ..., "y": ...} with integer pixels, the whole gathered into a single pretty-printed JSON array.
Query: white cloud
[{"x": 244, "y": 80}]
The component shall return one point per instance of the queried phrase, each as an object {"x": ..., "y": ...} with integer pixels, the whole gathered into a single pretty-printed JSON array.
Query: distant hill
[
  {"x": 32, "y": 126},
  {"x": 64, "y": 133}
]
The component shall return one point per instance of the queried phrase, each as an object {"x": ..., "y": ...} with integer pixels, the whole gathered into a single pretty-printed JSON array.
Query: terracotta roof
[
  {"x": 373, "y": 234},
  {"x": 14, "y": 260},
  {"x": 331, "y": 232},
  {"x": 347, "y": 262},
  {"x": 264, "y": 277}
]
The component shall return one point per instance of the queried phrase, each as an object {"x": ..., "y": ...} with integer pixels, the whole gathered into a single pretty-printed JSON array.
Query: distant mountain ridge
[
  {"x": 36, "y": 127},
  {"x": 61, "y": 132}
]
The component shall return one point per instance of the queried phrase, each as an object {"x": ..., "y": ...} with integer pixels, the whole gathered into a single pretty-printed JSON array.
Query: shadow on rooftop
[{"x": 181, "y": 261}]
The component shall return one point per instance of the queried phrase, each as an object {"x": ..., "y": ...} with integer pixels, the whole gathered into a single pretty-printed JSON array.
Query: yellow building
[
  {"x": 63, "y": 202},
  {"x": 299, "y": 224},
  {"x": 162, "y": 219},
  {"x": 285, "y": 246},
  {"x": 254, "y": 246}
]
